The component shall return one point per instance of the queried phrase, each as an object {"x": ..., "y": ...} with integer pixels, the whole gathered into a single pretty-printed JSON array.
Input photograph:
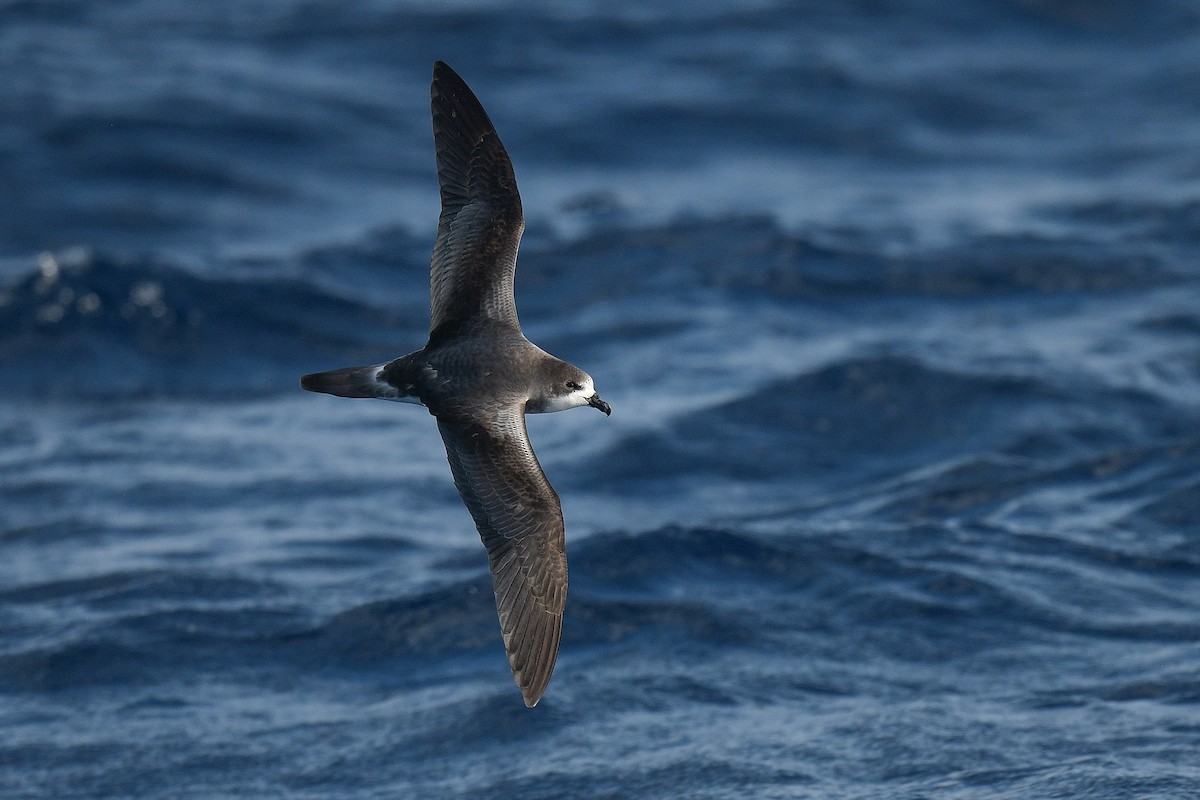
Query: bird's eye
[{"x": 573, "y": 385}]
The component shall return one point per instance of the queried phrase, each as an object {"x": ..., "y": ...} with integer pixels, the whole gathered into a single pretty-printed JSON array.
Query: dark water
[{"x": 897, "y": 305}]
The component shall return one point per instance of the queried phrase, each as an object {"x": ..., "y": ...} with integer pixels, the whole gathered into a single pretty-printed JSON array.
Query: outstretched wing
[
  {"x": 481, "y": 223},
  {"x": 520, "y": 521}
]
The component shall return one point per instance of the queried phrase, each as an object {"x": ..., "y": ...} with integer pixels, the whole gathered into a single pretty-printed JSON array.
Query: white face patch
[{"x": 578, "y": 397}]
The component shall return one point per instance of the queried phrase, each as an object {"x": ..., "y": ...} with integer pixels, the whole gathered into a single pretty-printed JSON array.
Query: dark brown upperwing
[
  {"x": 520, "y": 521},
  {"x": 481, "y": 222}
]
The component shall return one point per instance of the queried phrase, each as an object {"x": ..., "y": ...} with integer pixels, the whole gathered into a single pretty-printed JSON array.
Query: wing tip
[
  {"x": 534, "y": 678},
  {"x": 533, "y": 691},
  {"x": 447, "y": 82}
]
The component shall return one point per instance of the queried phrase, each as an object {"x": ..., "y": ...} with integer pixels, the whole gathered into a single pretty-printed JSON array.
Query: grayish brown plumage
[{"x": 479, "y": 376}]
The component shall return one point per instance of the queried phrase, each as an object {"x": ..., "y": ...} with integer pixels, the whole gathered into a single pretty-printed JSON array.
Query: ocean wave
[
  {"x": 846, "y": 415},
  {"x": 1162, "y": 223},
  {"x": 753, "y": 256},
  {"x": 87, "y": 323}
]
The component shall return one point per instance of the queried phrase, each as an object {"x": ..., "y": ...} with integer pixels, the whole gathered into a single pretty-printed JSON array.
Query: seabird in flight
[{"x": 479, "y": 376}]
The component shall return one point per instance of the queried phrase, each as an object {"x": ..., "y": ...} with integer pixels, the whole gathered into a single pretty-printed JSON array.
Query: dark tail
[{"x": 350, "y": 382}]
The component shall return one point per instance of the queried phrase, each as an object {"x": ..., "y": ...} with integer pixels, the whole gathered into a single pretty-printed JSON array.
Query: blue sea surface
[{"x": 897, "y": 305}]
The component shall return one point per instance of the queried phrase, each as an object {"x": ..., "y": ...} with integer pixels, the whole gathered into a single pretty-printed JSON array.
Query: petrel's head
[{"x": 565, "y": 386}]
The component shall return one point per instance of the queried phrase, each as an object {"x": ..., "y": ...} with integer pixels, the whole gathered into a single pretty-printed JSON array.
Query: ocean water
[{"x": 897, "y": 305}]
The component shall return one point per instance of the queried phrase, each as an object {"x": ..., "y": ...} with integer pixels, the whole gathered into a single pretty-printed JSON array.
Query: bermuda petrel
[{"x": 479, "y": 376}]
